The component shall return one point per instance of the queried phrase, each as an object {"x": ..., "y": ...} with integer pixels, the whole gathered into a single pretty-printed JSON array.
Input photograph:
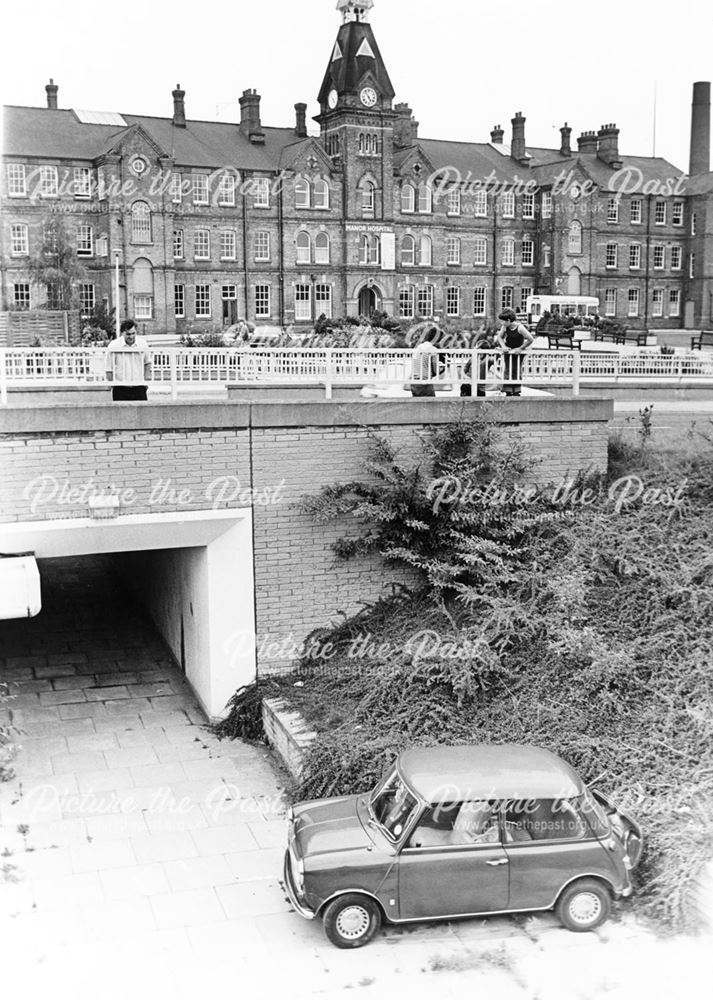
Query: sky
[{"x": 462, "y": 66}]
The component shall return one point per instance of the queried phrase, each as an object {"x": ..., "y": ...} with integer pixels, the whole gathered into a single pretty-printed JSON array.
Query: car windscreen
[{"x": 393, "y": 806}]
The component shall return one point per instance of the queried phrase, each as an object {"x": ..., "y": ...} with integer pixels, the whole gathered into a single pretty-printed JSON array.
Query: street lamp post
[{"x": 117, "y": 251}]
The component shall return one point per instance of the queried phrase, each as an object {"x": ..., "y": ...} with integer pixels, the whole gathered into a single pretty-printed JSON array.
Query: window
[
  {"x": 676, "y": 258},
  {"x": 660, "y": 213},
  {"x": 613, "y": 210},
  {"x": 480, "y": 255},
  {"x": 633, "y": 300},
  {"x": 635, "y": 211},
  {"x": 262, "y": 193},
  {"x": 425, "y": 199},
  {"x": 51, "y": 238},
  {"x": 262, "y": 300},
  {"x": 507, "y": 297},
  {"x": 16, "y": 180},
  {"x": 408, "y": 199},
  {"x": 303, "y": 302},
  {"x": 575, "y": 237},
  {"x": 452, "y": 301},
  {"x": 691, "y": 265},
  {"x": 408, "y": 251},
  {"x": 87, "y": 299},
  {"x": 426, "y": 251},
  {"x": 549, "y": 819},
  {"x": 659, "y": 256},
  {"x": 528, "y": 251},
  {"x": 507, "y": 203},
  {"x": 176, "y": 191},
  {"x": 323, "y": 300},
  {"x": 612, "y": 255},
  {"x": 262, "y": 246},
  {"x": 635, "y": 256},
  {"x": 178, "y": 247},
  {"x": 321, "y": 194},
  {"x": 368, "y": 198},
  {"x": 143, "y": 306},
  {"x": 425, "y": 301},
  {"x": 370, "y": 250},
  {"x": 19, "y": 240},
  {"x": 406, "y": 302},
  {"x": 82, "y": 182},
  {"x": 228, "y": 244},
  {"x": 226, "y": 189},
  {"x": 54, "y": 297},
  {"x": 480, "y": 205},
  {"x": 49, "y": 186},
  {"x": 528, "y": 206},
  {"x": 201, "y": 244},
  {"x": 179, "y": 301},
  {"x": 610, "y": 302},
  {"x": 479, "y": 298},
  {"x": 674, "y": 302},
  {"x": 525, "y": 293},
  {"x": 453, "y": 250},
  {"x": 85, "y": 241},
  {"x": 657, "y": 302},
  {"x": 454, "y": 201},
  {"x": 302, "y": 193},
  {"x": 546, "y": 255},
  {"x": 200, "y": 189},
  {"x": 693, "y": 223},
  {"x": 140, "y": 223},
  {"x": 304, "y": 248},
  {"x": 546, "y": 204},
  {"x": 508, "y": 257},
  {"x": 202, "y": 300},
  {"x": 21, "y": 295},
  {"x": 677, "y": 213},
  {"x": 321, "y": 248}
]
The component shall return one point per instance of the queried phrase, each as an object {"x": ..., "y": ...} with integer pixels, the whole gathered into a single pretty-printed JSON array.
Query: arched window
[
  {"x": 408, "y": 199},
  {"x": 140, "y": 223},
  {"x": 424, "y": 198},
  {"x": 370, "y": 249},
  {"x": 321, "y": 248},
  {"x": 368, "y": 198},
  {"x": 375, "y": 145},
  {"x": 426, "y": 251},
  {"x": 304, "y": 248},
  {"x": 302, "y": 193},
  {"x": 575, "y": 237},
  {"x": 408, "y": 251},
  {"x": 320, "y": 194},
  {"x": 362, "y": 145}
]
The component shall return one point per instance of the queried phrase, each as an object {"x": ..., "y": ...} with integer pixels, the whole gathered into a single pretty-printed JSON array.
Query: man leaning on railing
[{"x": 128, "y": 362}]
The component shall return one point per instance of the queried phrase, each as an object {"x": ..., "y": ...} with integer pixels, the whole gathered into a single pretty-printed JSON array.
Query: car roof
[{"x": 488, "y": 771}]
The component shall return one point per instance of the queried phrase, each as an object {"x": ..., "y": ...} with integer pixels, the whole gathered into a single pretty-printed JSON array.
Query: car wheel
[
  {"x": 351, "y": 921},
  {"x": 583, "y": 905}
]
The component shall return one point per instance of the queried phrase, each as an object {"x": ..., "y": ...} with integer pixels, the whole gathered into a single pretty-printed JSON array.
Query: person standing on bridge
[
  {"x": 128, "y": 362},
  {"x": 513, "y": 338}
]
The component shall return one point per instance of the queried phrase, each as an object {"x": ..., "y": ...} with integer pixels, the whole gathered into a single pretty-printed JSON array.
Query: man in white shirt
[
  {"x": 424, "y": 364},
  {"x": 128, "y": 362}
]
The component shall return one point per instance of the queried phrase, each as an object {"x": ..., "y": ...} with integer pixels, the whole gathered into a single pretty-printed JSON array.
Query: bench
[
  {"x": 638, "y": 337},
  {"x": 565, "y": 340},
  {"x": 703, "y": 339}
]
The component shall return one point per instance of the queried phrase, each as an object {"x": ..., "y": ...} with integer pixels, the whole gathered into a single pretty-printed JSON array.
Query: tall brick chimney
[
  {"x": 566, "y": 141},
  {"x": 51, "y": 90},
  {"x": 250, "y": 124},
  {"x": 587, "y": 142},
  {"x": 700, "y": 158},
  {"x": 518, "y": 150},
  {"x": 179, "y": 108},
  {"x": 608, "y": 145},
  {"x": 496, "y": 134},
  {"x": 405, "y": 127},
  {"x": 301, "y": 120}
]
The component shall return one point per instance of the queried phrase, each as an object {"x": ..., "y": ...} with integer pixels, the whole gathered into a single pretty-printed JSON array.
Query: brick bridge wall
[{"x": 186, "y": 457}]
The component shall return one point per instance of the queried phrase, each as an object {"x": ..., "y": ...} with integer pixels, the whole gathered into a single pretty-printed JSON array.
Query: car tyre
[
  {"x": 351, "y": 921},
  {"x": 583, "y": 905}
]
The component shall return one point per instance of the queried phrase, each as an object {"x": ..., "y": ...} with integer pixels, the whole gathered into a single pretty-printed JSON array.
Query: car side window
[
  {"x": 457, "y": 824},
  {"x": 550, "y": 819}
]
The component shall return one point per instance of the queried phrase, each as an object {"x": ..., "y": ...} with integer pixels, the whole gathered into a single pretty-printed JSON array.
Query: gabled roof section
[
  {"x": 131, "y": 132},
  {"x": 304, "y": 155},
  {"x": 360, "y": 56},
  {"x": 408, "y": 161},
  {"x": 634, "y": 173}
]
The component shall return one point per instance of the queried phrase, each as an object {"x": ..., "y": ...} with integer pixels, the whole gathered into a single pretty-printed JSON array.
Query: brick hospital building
[{"x": 202, "y": 223}]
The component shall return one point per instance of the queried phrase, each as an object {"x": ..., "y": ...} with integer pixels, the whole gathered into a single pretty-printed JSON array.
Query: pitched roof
[{"x": 350, "y": 62}]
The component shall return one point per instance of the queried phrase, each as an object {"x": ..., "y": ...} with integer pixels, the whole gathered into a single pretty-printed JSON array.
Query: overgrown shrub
[{"x": 8, "y": 733}]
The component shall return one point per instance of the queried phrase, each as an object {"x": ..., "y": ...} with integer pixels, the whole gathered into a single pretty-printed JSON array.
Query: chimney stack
[
  {"x": 566, "y": 142},
  {"x": 179, "y": 108},
  {"x": 250, "y": 125},
  {"x": 518, "y": 150},
  {"x": 51, "y": 89},
  {"x": 700, "y": 159},
  {"x": 587, "y": 142},
  {"x": 497, "y": 134},
  {"x": 405, "y": 127},
  {"x": 608, "y": 145},
  {"x": 301, "y": 120}
]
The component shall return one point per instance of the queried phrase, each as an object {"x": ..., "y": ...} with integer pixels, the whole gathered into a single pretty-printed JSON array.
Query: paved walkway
[{"x": 148, "y": 854}]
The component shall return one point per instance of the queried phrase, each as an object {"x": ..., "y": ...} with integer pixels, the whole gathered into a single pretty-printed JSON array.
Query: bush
[{"x": 8, "y": 750}]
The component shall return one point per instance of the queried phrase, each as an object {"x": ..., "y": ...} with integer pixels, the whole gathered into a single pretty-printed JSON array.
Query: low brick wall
[{"x": 287, "y": 733}]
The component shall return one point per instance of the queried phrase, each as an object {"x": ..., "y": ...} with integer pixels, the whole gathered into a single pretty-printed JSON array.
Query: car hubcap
[
  {"x": 585, "y": 907},
  {"x": 353, "y": 922}
]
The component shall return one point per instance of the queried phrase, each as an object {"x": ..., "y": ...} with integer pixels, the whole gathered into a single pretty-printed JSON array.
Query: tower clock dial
[
  {"x": 333, "y": 98},
  {"x": 368, "y": 97}
]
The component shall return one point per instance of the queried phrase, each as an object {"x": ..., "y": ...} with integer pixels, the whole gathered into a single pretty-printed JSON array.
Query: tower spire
[{"x": 354, "y": 10}]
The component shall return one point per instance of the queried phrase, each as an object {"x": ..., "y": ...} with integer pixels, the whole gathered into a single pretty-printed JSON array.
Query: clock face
[
  {"x": 333, "y": 98},
  {"x": 368, "y": 97}
]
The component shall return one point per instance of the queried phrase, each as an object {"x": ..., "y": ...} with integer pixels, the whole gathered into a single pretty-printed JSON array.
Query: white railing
[{"x": 329, "y": 367}]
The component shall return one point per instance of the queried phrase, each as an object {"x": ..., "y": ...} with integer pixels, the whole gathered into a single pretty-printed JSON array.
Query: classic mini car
[{"x": 461, "y": 831}]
